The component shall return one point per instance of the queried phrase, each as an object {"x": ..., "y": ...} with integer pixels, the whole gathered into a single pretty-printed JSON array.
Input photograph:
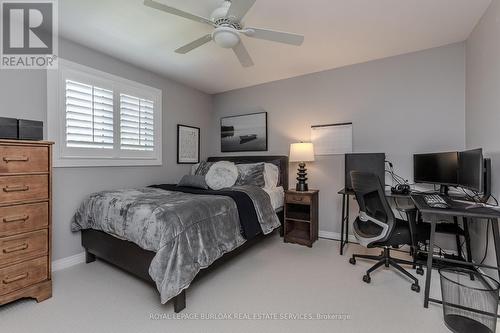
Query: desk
[
  {"x": 433, "y": 215},
  {"x": 346, "y": 194}
]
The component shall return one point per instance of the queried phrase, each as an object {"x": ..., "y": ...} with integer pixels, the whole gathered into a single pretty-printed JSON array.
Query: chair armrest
[{"x": 406, "y": 209}]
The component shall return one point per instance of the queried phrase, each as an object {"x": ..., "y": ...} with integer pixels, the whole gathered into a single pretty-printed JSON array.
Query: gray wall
[
  {"x": 23, "y": 94},
  {"x": 483, "y": 106},
  {"x": 399, "y": 105}
]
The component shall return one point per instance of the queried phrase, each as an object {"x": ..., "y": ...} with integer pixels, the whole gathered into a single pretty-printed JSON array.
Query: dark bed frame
[{"x": 135, "y": 260}]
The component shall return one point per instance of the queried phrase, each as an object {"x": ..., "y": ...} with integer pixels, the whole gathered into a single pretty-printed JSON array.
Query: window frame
[{"x": 94, "y": 157}]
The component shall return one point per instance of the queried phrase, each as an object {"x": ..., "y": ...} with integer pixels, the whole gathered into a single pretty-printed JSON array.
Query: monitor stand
[{"x": 443, "y": 190}]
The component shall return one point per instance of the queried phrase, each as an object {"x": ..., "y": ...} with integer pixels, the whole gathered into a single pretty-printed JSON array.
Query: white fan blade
[
  {"x": 178, "y": 12},
  {"x": 239, "y": 8},
  {"x": 274, "y": 36},
  {"x": 193, "y": 45},
  {"x": 243, "y": 56}
]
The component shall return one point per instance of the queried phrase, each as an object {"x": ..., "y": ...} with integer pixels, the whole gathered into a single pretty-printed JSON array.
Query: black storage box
[
  {"x": 30, "y": 130},
  {"x": 8, "y": 128}
]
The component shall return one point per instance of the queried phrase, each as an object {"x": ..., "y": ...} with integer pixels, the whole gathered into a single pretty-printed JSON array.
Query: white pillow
[
  {"x": 221, "y": 175},
  {"x": 271, "y": 175}
]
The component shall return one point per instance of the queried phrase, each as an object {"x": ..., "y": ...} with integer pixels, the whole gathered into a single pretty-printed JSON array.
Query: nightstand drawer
[
  {"x": 18, "y": 276},
  {"x": 23, "y": 246},
  {"x": 298, "y": 199},
  {"x": 23, "y": 218},
  {"x": 17, "y": 159}
]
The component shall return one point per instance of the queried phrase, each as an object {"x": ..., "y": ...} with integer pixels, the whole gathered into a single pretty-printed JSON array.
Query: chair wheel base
[
  {"x": 420, "y": 271},
  {"x": 352, "y": 261},
  {"x": 367, "y": 278},
  {"x": 415, "y": 287}
]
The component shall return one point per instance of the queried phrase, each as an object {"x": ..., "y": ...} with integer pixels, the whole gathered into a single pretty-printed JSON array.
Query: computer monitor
[
  {"x": 372, "y": 162},
  {"x": 487, "y": 180},
  {"x": 437, "y": 168},
  {"x": 471, "y": 170}
]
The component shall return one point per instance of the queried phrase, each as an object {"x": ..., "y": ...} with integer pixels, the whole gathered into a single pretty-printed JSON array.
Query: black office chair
[{"x": 376, "y": 226}]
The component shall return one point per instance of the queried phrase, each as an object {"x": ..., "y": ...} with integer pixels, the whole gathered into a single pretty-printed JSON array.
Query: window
[{"x": 98, "y": 119}]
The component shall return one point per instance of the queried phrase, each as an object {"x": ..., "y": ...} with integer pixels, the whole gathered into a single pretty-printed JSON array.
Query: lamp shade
[{"x": 302, "y": 152}]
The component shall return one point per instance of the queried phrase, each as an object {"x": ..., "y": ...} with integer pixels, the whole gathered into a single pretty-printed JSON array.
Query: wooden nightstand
[{"x": 301, "y": 217}]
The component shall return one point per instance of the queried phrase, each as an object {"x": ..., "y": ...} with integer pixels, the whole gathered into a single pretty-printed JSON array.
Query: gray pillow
[
  {"x": 193, "y": 181},
  {"x": 203, "y": 168},
  {"x": 251, "y": 174}
]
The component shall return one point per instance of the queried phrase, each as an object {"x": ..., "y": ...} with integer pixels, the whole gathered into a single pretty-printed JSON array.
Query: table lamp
[{"x": 302, "y": 152}]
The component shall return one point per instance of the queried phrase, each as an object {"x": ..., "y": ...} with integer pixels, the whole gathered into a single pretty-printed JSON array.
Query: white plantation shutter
[
  {"x": 101, "y": 119},
  {"x": 136, "y": 123},
  {"x": 89, "y": 116}
]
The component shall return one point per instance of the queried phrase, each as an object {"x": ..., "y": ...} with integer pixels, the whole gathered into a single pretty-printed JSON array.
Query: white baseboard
[
  {"x": 335, "y": 236},
  {"x": 68, "y": 262}
]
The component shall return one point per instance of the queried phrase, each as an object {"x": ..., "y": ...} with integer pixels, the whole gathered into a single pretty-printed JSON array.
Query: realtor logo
[{"x": 28, "y": 35}]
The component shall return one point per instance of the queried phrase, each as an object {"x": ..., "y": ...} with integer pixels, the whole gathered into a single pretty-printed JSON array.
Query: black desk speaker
[
  {"x": 30, "y": 130},
  {"x": 8, "y": 128}
]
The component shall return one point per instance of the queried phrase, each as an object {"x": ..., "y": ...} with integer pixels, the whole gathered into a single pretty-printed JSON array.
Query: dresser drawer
[
  {"x": 15, "y": 159},
  {"x": 23, "y": 218},
  {"x": 22, "y": 275},
  {"x": 20, "y": 188},
  {"x": 298, "y": 199},
  {"x": 17, "y": 248}
]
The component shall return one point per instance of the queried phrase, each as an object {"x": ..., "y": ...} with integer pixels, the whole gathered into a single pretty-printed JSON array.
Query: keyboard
[{"x": 435, "y": 201}]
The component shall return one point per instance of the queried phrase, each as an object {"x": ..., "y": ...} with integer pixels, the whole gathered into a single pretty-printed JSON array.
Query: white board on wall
[{"x": 332, "y": 139}]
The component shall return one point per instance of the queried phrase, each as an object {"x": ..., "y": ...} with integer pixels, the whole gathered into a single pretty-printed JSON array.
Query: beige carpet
[{"x": 269, "y": 282}]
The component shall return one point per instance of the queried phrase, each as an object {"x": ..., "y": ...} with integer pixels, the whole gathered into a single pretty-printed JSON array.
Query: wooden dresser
[{"x": 25, "y": 220}]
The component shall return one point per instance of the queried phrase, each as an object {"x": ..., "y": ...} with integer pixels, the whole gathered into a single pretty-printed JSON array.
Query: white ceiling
[{"x": 337, "y": 33}]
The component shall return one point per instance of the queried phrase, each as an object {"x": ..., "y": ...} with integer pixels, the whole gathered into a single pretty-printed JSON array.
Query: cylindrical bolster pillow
[
  {"x": 193, "y": 181},
  {"x": 221, "y": 175}
]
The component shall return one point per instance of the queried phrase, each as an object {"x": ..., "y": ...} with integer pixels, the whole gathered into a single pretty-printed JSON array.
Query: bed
[{"x": 141, "y": 260}]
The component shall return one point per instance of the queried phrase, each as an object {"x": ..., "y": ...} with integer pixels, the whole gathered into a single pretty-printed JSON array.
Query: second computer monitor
[{"x": 471, "y": 170}]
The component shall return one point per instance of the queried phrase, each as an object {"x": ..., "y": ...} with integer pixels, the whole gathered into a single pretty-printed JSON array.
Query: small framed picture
[
  {"x": 247, "y": 132},
  {"x": 188, "y": 144}
]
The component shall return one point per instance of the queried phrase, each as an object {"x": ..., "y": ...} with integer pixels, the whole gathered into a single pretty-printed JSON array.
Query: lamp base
[
  {"x": 302, "y": 179},
  {"x": 302, "y": 187}
]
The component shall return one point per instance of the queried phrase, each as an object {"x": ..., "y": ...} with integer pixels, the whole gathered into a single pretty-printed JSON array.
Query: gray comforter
[{"x": 188, "y": 232}]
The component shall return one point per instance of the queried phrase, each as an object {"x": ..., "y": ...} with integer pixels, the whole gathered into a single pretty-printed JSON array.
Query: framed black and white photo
[
  {"x": 244, "y": 133},
  {"x": 188, "y": 144}
]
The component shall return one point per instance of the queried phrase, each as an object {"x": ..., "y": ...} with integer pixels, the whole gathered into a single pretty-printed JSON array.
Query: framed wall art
[
  {"x": 246, "y": 132},
  {"x": 188, "y": 144}
]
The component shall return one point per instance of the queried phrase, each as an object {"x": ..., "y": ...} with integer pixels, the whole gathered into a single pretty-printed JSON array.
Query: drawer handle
[
  {"x": 19, "y": 188},
  {"x": 15, "y": 278},
  {"x": 21, "y": 247},
  {"x": 10, "y": 219},
  {"x": 16, "y": 159},
  {"x": 298, "y": 198}
]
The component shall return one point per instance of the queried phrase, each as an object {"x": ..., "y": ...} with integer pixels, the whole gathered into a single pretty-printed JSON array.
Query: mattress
[{"x": 277, "y": 195}]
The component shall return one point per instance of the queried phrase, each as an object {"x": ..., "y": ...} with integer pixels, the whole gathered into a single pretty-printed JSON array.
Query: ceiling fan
[{"x": 227, "y": 21}]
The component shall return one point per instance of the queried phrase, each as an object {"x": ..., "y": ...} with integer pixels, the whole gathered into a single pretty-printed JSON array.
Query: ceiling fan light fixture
[{"x": 226, "y": 37}]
